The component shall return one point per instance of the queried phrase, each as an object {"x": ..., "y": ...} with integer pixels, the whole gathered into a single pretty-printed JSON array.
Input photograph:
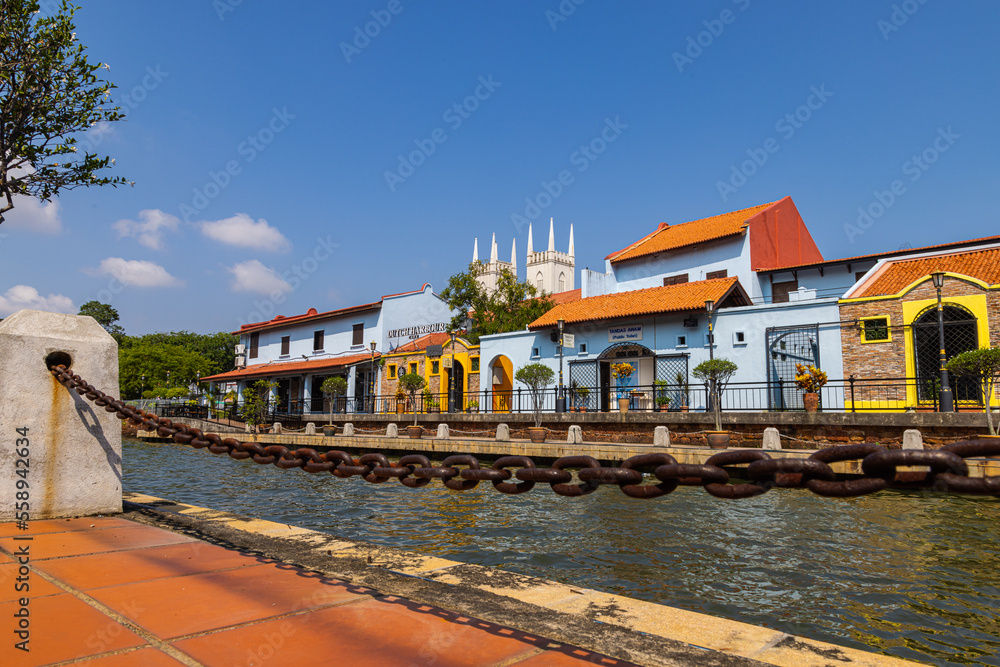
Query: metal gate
[
  {"x": 787, "y": 346},
  {"x": 960, "y": 335},
  {"x": 673, "y": 369},
  {"x": 583, "y": 375}
]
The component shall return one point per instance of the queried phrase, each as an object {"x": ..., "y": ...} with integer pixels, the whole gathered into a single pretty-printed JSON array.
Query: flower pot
[
  {"x": 329, "y": 431},
  {"x": 415, "y": 431},
  {"x": 717, "y": 439},
  {"x": 684, "y": 408},
  {"x": 400, "y": 408},
  {"x": 536, "y": 433},
  {"x": 811, "y": 401},
  {"x": 583, "y": 408},
  {"x": 623, "y": 405}
]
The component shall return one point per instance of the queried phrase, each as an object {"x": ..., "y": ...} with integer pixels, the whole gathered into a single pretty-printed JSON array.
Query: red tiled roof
[
  {"x": 567, "y": 297},
  {"x": 889, "y": 253},
  {"x": 283, "y": 367},
  {"x": 897, "y": 275},
  {"x": 672, "y": 298},
  {"x": 668, "y": 237},
  {"x": 281, "y": 320}
]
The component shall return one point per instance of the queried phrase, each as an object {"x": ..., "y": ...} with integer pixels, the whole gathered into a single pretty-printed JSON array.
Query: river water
[{"x": 911, "y": 574}]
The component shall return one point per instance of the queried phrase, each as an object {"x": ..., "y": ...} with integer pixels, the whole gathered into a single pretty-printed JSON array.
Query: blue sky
[{"x": 265, "y": 140}]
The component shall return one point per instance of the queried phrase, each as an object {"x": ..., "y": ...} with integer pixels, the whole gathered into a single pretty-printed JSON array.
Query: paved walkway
[{"x": 108, "y": 591}]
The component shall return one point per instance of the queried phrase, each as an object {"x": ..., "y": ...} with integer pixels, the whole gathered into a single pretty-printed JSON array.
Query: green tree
[
  {"x": 512, "y": 306},
  {"x": 984, "y": 366},
  {"x": 49, "y": 92},
  {"x": 411, "y": 384},
  {"x": 255, "y": 401},
  {"x": 333, "y": 387},
  {"x": 106, "y": 316},
  {"x": 140, "y": 358},
  {"x": 718, "y": 373},
  {"x": 536, "y": 377}
]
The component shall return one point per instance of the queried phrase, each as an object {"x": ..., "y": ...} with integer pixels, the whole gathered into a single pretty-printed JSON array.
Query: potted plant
[
  {"x": 583, "y": 395},
  {"x": 473, "y": 406},
  {"x": 621, "y": 372},
  {"x": 718, "y": 373},
  {"x": 400, "y": 399},
  {"x": 661, "y": 401},
  {"x": 810, "y": 380},
  {"x": 333, "y": 387},
  {"x": 536, "y": 377},
  {"x": 983, "y": 365},
  {"x": 411, "y": 384},
  {"x": 256, "y": 398},
  {"x": 430, "y": 403},
  {"x": 682, "y": 386}
]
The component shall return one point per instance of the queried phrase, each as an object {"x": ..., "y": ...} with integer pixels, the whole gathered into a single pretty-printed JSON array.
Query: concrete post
[
  {"x": 575, "y": 435},
  {"x": 72, "y": 448},
  {"x": 503, "y": 433},
  {"x": 276, "y": 428},
  {"x": 311, "y": 428},
  {"x": 913, "y": 439},
  {"x": 443, "y": 433},
  {"x": 392, "y": 431},
  {"x": 772, "y": 439},
  {"x": 661, "y": 437},
  {"x": 348, "y": 429}
]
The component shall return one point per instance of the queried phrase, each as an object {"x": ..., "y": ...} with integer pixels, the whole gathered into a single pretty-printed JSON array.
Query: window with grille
[
  {"x": 392, "y": 371},
  {"x": 317, "y": 340},
  {"x": 435, "y": 367},
  {"x": 675, "y": 280},
  {"x": 875, "y": 329},
  {"x": 474, "y": 363}
]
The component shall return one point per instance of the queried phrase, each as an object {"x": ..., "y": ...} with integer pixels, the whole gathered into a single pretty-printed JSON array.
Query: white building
[{"x": 549, "y": 270}]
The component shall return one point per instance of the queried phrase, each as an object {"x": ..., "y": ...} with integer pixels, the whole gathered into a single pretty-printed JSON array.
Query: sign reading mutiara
[
  {"x": 417, "y": 332},
  {"x": 624, "y": 334}
]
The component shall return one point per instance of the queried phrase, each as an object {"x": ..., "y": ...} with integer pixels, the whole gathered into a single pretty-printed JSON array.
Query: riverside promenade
[{"x": 168, "y": 584}]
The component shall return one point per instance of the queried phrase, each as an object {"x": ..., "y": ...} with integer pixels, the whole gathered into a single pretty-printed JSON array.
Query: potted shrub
[
  {"x": 583, "y": 395},
  {"x": 984, "y": 366},
  {"x": 682, "y": 386},
  {"x": 718, "y": 373},
  {"x": 536, "y": 377},
  {"x": 256, "y": 398},
  {"x": 430, "y": 403},
  {"x": 400, "y": 399},
  {"x": 661, "y": 400},
  {"x": 333, "y": 387},
  {"x": 411, "y": 384},
  {"x": 621, "y": 372},
  {"x": 810, "y": 380},
  {"x": 473, "y": 406}
]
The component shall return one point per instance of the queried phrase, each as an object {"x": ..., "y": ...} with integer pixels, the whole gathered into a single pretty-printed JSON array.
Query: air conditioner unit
[
  {"x": 241, "y": 357},
  {"x": 240, "y": 349},
  {"x": 240, "y": 363}
]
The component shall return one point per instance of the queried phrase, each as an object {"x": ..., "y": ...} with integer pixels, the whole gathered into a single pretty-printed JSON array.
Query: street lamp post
[
  {"x": 947, "y": 398},
  {"x": 451, "y": 375},
  {"x": 198, "y": 385},
  {"x": 142, "y": 385},
  {"x": 372, "y": 379},
  {"x": 561, "y": 395},
  {"x": 168, "y": 379},
  {"x": 709, "y": 307}
]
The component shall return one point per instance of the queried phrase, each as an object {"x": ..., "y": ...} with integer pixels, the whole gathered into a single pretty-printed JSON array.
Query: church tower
[
  {"x": 550, "y": 270},
  {"x": 491, "y": 273}
]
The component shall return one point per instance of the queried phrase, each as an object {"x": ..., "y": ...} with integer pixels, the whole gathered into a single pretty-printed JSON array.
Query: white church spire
[
  {"x": 475, "y": 250},
  {"x": 530, "y": 250},
  {"x": 493, "y": 249},
  {"x": 513, "y": 255},
  {"x": 552, "y": 235},
  {"x": 571, "y": 249}
]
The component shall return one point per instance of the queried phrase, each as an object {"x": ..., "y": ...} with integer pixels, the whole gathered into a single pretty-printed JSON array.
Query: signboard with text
[
  {"x": 625, "y": 334},
  {"x": 569, "y": 340}
]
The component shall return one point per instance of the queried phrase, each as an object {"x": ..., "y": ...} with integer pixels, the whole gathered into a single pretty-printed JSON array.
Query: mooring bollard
[
  {"x": 575, "y": 435},
  {"x": 70, "y": 448},
  {"x": 503, "y": 433},
  {"x": 348, "y": 429},
  {"x": 392, "y": 431},
  {"x": 772, "y": 439},
  {"x": 443, "y": 432},
  {"x": 311, "y": 428},
  {"x": 913, "y": 439},
  {"x": 661, "y": 437},
  {"x": 276, "y": 428}
]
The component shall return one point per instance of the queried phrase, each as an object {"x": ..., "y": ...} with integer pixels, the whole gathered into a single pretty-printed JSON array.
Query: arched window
[
  {"x": 960, "y": 334},
  {"x": 562, "y": 282},
  {"x": 539, "y": 281}
]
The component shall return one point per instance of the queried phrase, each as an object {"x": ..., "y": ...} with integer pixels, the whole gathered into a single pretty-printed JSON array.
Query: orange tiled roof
[
  {"x": 672, "y": 298},
  {"x": 567, "y": 297},
  {"x": 668, "y": 237},
  {"x": 282, "y": 367},
  {"x": 981, "y": 264}
]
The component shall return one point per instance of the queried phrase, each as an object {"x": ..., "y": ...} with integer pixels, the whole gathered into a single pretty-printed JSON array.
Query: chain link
[{"x": 945, "y": 469}]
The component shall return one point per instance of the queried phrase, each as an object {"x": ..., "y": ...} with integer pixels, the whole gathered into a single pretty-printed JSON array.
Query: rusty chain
[{"x": 947, "y": 469}]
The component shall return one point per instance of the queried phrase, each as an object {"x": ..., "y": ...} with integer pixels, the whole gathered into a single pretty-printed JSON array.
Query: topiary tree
[
  {"x": 333, "y": 387},
  {"x": 984, "y": 366},
  {"x": 411, "y": 384},
  {"x": 536, "y": 377},
  {"x": 717, "y": 372},
  {"x": 255, "y": 399}
]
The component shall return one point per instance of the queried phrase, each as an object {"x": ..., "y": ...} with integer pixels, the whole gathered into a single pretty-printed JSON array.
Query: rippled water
[{"x": 913, "y": 575}]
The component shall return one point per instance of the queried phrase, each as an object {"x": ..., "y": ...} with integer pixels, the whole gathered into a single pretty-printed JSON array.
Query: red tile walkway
[{"x": 110, "y": 592}]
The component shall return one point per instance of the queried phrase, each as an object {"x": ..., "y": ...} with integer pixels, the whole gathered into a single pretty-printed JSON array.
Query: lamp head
[
  {"x": 709, "y": 305},
  {"x": 938, "y": 278},
  {"x": 561, "y": 323},
  {"x": 372, "y": 344}
]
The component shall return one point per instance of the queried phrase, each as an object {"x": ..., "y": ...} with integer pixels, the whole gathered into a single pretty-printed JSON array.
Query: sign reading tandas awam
[
  {"x": 624, "y": 334},
  {"x": 417, "y": 331}
]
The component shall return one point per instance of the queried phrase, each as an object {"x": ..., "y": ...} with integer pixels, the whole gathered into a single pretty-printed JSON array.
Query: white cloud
[
  {"x": 24, "y": 296},
  {"x": 136, "y": 273},
  {"x": 151, "y": 229},
  {"x": 252, "y": 276},
  {"x": 241, "y": 231},
  {"x": 33, "y": 215}
]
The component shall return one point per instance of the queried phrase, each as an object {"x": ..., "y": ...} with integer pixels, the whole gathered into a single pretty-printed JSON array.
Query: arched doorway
[
  {"x": 639, "y": 385},
  {"x": 501, "y": 383},
  {"x": 458, "y": 384},
  {"x": 960, "y": 335}
]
